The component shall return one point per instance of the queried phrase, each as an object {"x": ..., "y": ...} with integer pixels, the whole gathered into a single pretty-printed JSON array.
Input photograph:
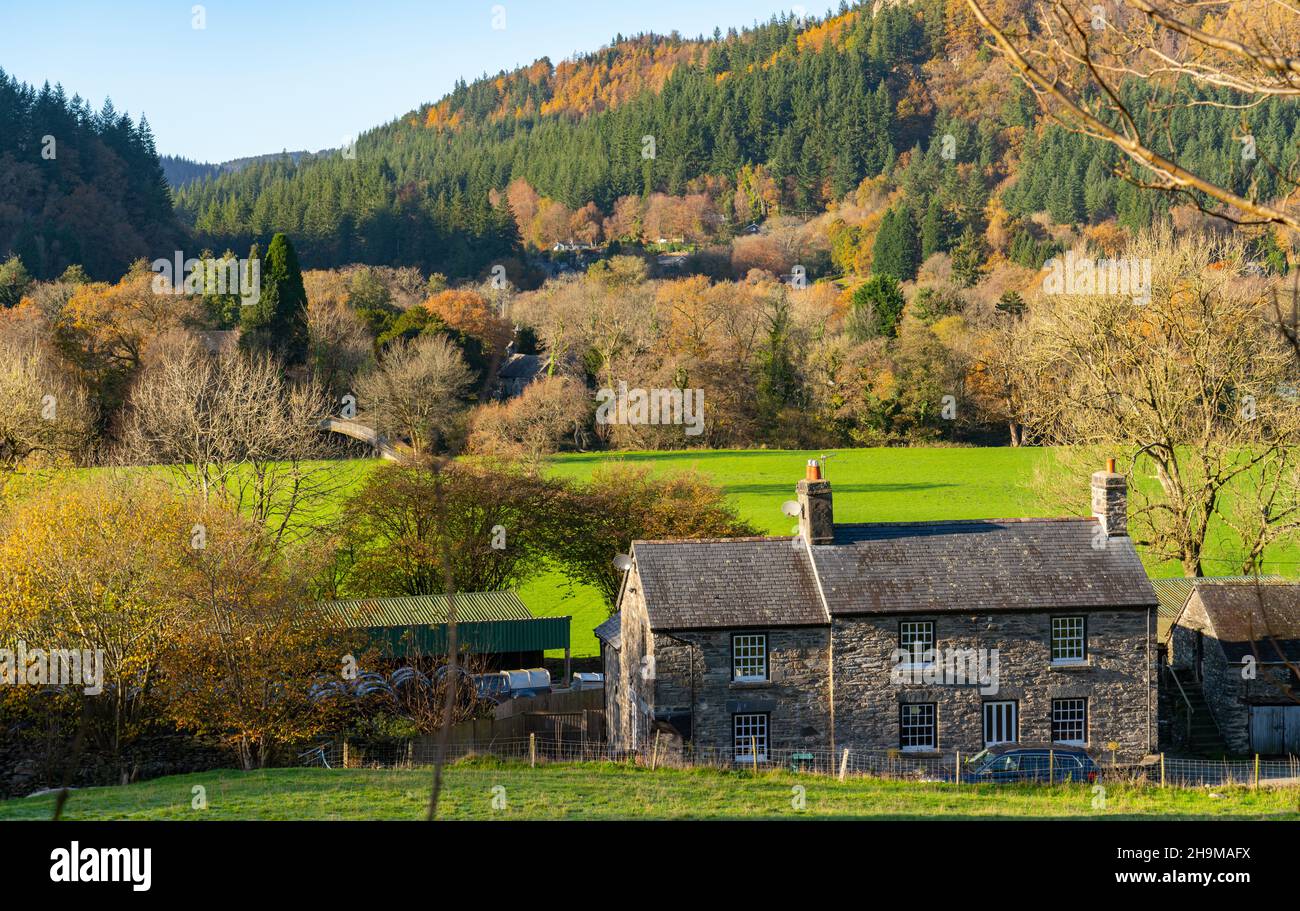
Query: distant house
[
  {"x": 495, "y": 626},
  {"x": 922, "y": 637},
  {"x": 517, "y": 373},
  {"x": 1234, "y": 649}
]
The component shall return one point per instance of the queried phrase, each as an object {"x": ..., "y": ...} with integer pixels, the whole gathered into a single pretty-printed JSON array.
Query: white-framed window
[
  {"x": 749, "y": 657},
  {"x": 1001, "y": 722},
  {"x": 1070, "y": 721},
  {"x": 916, "y": 638},
  {"x": 1068, "y": 640},
  {"x": 916, "y": 729},
  {"x": 750, "y": 736}
]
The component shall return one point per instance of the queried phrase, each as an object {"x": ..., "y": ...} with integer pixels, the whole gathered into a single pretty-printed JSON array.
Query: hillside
[
  {"x": 76, "y": 186},
  {"x": 786, "y": 118},
  {"x": 180, "y": 171}
]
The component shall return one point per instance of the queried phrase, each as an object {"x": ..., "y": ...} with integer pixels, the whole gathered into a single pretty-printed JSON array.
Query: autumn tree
[
  {"x": 416, "y": 392},
  {"x": 233, "y": 430},
  {"x": 45, "y": 416},
  {"x": 498, "y": 525},
  {"x": 622, "y": 504},
  {"x": 339, "y": 344},
  {"x": 534, "y": 424},
  {"x": 92, "y": 564},
  {"x": 250, "y": 643},
  {"x": 1190, "y": 387}
]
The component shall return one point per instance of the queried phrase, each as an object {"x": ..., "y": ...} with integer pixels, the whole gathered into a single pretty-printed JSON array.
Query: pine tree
[
  {"x": 934, "y": 230},
  {"x": 277, "y": 322},
  {"x": 897, "y": 251},
  {"x": 967, "y": 258},
  {"x": 877, "y": 306}
]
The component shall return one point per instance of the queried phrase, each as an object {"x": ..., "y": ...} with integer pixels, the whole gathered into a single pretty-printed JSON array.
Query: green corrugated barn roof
[{"x": 486, "y": 622}]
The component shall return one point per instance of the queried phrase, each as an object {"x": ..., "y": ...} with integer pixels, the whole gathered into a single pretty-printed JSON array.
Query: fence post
[
  {"x": 1162, "y": 770},
  {"x": 844, "y": 764},
  {"x": 345, "y": 753},
  {"x": 532, "y": 750},
  {"x": 753, "y": 751},
  {"x": 1256, "y": 770},
  {"x": 958, "y": 769},
  {"x": 1051, "y": 766},
  {"x": 654, "y": 755}
]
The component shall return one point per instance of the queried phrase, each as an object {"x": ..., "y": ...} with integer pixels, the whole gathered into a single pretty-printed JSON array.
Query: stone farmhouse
[{"x": 922, "y": 637}]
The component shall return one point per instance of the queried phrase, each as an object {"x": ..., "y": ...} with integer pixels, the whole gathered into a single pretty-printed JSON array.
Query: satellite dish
[
  {"x": 623, "y": 562},
  {"x": 791, "y": 508}
]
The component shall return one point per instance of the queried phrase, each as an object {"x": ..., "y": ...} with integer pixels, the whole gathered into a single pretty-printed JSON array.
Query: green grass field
[
  {"x": 892, "y": 485},
  {"x": 591, "y": 791},
  {"x": 884, "y": 484}
]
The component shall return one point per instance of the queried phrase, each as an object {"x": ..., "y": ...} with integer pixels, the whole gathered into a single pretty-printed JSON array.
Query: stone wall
[
  {"x": 634, "y": 693},
  {"x": 684, "y": 679},
  {"x": 32, "y": 763},
  {"x": 1118, "y": 680},
  {"x": 695, "y": 682}
]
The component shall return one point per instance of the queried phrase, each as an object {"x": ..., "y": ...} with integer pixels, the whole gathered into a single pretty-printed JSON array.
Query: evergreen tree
[
  {"x": 877, "y": 305},
  {"x": 967, "y": 258},
  {"x": 277, "y": 322},
  {"x": 897, "y": 251},
  {"x": 934, "y": 230},
  {"x": 14, "y": 281}
]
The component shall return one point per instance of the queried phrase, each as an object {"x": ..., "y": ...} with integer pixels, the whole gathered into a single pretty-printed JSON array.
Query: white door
[{"x": 1000, "y": 723}]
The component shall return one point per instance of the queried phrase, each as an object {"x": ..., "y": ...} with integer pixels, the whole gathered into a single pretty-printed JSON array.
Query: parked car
[{"x": 1014, "y": 762}]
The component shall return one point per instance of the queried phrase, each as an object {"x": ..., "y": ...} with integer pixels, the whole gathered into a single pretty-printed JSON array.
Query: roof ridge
[
  {"x": 749, "y": 539},
  {"x": 1016, "y": 520}
]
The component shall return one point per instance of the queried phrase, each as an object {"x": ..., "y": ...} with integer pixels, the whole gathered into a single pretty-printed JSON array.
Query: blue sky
[{"x": 306, "y": 74}]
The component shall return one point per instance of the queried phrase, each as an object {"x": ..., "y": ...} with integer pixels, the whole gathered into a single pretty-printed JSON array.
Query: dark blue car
[{"x": 1011, "y": 763}]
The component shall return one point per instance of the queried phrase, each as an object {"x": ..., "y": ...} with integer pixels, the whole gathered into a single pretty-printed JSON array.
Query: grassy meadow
[
  {"x": 883, "y": 484},
  {"x": 596, "y": 791}
]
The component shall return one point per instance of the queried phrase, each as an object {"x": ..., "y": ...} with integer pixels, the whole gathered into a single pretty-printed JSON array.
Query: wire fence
[{"x": 887, "y": 764}]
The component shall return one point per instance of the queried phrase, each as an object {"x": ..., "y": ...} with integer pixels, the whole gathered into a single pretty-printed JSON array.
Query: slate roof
[
  {"x": 611, "y": 631},
  {"x": 1172, "y": 595},
  {"x": 521, "y": 366},
  {"x": 1268, "y": 614},
  {"x": 728, "y": 582},
  {"x": 978, "y": 565},
  {"x": 890, "y": 568}
]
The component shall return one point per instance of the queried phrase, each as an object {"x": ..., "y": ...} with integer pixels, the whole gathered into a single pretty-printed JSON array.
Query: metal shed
[{"x": 493, "y": 624}]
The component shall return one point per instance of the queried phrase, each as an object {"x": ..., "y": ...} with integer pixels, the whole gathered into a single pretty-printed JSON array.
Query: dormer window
[{"x": 749, "y": 657}]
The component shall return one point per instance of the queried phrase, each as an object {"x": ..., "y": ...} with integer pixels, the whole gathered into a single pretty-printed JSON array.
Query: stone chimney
[
  {"x": 1110, "y": 501},
  {"x": 816, "y": 517}
]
